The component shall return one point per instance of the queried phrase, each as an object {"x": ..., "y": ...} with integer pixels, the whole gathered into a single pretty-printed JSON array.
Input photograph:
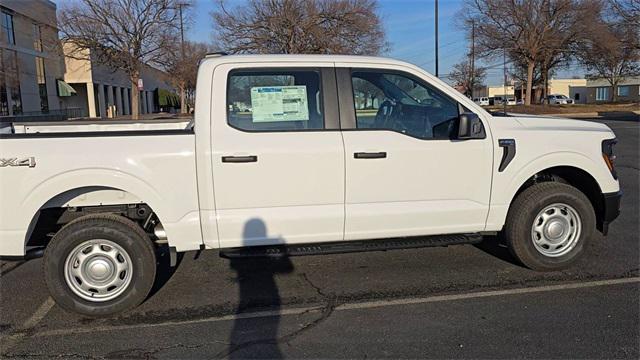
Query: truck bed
[{"x": 90, "y": 164}]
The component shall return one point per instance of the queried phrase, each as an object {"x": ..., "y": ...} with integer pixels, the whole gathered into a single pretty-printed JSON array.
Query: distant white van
[{"x": 483, "y": 101}]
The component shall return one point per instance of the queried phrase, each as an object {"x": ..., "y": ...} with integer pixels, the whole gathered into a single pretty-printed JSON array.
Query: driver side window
[{"x": 398, "y": 102}]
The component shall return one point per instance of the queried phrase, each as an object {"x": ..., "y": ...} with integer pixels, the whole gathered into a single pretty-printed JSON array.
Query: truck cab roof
[{"x": 218, "y": 58}]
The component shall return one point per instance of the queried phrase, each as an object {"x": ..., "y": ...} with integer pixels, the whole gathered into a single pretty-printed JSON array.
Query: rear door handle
[
  {"x": 370, "y": 155},
  {"x": 240, "y": 159}
]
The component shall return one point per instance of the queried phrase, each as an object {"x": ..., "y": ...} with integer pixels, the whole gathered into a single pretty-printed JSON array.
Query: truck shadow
[
  {"x": 494, "y": 246},
  {"x": 257, "y": 338},
  {"x": 620, "y": 115},
  {"x": 164, "y": 271}
]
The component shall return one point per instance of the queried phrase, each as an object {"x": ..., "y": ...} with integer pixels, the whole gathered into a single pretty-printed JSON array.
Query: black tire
[
  {"x": 117, "y": 229},
  {"x": 523, "y": 212}
]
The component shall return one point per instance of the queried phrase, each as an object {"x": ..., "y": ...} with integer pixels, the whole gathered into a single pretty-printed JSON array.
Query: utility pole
[
  {"x": 504, "y": 80},
  {"x": 181, "y": 31},
  {"x": 473, "y": 56},
  {"x": 436, "y": 38}
]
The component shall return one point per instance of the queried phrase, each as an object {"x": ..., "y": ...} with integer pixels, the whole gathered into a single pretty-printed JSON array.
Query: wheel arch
[
  {"x": 71, "y": 189},
  {"x": 571, "y": 175},
  {"x": 578, "y": 169}
]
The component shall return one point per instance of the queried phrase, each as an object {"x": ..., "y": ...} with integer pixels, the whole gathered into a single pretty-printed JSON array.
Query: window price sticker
[{"x": 279, "y": 103}]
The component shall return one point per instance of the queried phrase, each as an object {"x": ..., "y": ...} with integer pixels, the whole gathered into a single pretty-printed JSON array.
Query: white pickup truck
[{"x": 298, "y": 154}]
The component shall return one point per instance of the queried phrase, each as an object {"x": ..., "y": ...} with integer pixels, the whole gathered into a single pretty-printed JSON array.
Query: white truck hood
[{"x": 563, "y": 124}]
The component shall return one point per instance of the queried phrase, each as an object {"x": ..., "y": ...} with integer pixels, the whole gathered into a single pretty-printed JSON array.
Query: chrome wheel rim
[
  {"x": 98, "y": 270},
  {"x": 556, "y": 230}
]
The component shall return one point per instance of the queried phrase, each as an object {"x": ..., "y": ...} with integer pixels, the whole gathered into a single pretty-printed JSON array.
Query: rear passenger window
[{"x": 275, "y": 100}]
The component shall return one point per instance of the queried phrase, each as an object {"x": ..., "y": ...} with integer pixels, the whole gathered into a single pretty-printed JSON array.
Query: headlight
[{"x": 609, "y": 156}]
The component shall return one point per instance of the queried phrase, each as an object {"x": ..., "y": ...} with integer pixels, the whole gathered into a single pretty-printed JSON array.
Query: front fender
[
  {"x": 547, "y": 161},
  {"x": 507, "y": 184}
]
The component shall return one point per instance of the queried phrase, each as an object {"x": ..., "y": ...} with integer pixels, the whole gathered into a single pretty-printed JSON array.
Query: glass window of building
[
  {"x": 4, "y": 100},
  {"x": 42, "y": 84},
  {"x": 623, "y": 90},
  {"x": 16, "y": 100},
  {"x": 602, "y": 94},
  {"x": 7, "y": 28},
  {"x": 37, "y": 37},
  {"x": 10, "y": 82}
]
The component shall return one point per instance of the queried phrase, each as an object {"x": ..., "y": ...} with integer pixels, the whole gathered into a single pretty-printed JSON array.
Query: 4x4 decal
[{"x": 27, "y": 161}]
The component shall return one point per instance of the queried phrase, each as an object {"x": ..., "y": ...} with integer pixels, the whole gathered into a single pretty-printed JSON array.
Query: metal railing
[{"x": 51, "y": 115}]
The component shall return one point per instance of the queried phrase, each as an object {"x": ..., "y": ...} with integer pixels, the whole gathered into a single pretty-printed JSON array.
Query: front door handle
[
  {"x": 370, "y": 155},
  {"x": 239, "y": 159}
]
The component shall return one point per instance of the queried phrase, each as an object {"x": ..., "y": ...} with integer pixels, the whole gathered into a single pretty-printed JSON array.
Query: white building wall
[
  {"x": 579, "y": 94},
  {"x": 88, "y": 71}
]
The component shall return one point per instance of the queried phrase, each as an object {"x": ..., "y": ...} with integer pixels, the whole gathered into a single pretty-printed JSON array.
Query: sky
[
  {"x": 409, "y": 26},
  {"x": 410, "y": 30}
]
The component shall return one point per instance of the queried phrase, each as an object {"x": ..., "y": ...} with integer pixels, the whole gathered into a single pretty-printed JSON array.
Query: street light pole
[
  {"x": 183, "y": 107},
  {"x": 181, "y": 32},
  {"x": 436, "y": 11},
  {"x": 504, "y": 80},
  {"x": 473, "y": 56}
]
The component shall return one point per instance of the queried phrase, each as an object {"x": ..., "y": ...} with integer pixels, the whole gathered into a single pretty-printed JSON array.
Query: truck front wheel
[
  {"x": 548, "y": 226},
  {"x": 99, "y": 265}
]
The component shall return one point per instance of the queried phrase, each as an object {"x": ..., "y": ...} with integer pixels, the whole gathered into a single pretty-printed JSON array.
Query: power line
[{"x": 411, "y": 54}]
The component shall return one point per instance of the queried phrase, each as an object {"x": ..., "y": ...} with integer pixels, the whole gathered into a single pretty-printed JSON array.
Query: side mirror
[{"x": 470, "y": 127}]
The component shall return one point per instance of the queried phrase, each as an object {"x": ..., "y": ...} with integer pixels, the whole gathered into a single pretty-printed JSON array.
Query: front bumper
[{"x": 610, "y": 209}]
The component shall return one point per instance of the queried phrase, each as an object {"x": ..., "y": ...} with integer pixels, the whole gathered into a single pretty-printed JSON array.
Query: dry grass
[{"x": 569, "y": 109}]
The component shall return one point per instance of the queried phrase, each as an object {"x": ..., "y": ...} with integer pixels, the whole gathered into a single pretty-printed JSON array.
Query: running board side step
[{"x": 350, "y": 246}]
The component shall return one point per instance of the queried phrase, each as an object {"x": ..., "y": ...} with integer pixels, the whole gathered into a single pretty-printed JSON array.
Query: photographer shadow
[{"x": 257, "y": 337}]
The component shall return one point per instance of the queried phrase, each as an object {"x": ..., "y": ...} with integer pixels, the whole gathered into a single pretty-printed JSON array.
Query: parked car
[
  {"x": 482, "y": 101},
  {"x": 520, "y": 102},
  {"x": 312, "y": 168},
  {"x": 559, "y": 99},
  {"x": 501, "y": 100}
]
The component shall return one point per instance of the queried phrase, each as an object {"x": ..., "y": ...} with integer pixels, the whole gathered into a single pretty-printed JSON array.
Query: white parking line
[
  {"x": 40, "y": 313},
  {"x": 483, "y": 294},
  {"x": 354, "y": 306},
  {"x": 10, "y": 341},
  {"x": 261, "y": 314}
]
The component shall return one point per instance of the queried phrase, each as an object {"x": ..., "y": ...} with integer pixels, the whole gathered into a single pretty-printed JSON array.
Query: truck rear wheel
[
  {"x": 548, "y": 226},
  {"x": 99, "y": 265}
]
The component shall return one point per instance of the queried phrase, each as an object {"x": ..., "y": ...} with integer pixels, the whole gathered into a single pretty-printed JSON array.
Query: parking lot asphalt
[{"x": 454, "y": 302}]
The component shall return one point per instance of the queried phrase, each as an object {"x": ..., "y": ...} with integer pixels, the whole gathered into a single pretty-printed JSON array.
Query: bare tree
[
  {"x": 182, "y": 64},
  {"x": 518, "y": 73},
  {"x": 611, "y": 48},
  {"x": 294, "y": 27},
  {"x": 628, "y": 10},
  {"x": 121, "y": 34},
  {"x": 528, "y": 30},
  {"x": 466, "y": 79}
]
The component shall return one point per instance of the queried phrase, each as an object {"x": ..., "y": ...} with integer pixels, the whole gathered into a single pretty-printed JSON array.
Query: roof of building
[{"x": 599, "y": 82}]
